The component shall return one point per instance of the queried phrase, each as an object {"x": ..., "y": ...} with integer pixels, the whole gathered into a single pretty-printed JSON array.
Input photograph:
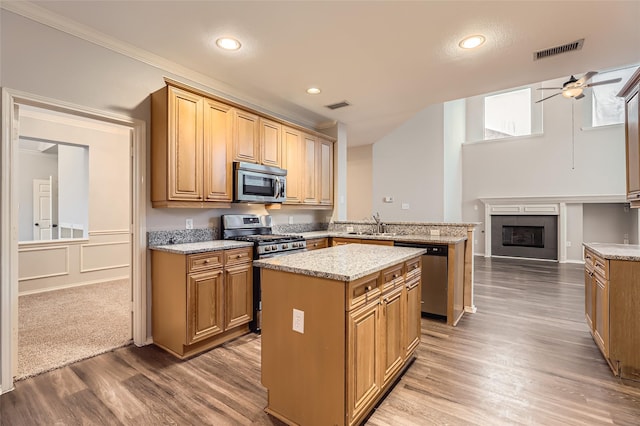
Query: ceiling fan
[{"x": 573, "y": 87}]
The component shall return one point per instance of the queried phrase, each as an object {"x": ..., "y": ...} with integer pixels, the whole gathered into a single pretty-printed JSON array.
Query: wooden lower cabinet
[
  {"x": 357, "y": 339},
  {"x": 317, "y": 243},
  {"x": 612, "y": 292},
  {"x": 201, "y": 300}
]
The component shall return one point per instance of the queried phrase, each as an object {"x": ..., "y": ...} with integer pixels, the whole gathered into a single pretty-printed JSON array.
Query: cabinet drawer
[
  {"x": 601, "y": 267},
  {"x": 392, "y": 277},
  {"x": 363, "y": 291},
  {"x": 236, "y": 256},
  {"x": 589, "y": 260},
  {"x": 204, "y": 261},
  {"x": 317, "y": 243},
  {"x": 413, "y": 268}
]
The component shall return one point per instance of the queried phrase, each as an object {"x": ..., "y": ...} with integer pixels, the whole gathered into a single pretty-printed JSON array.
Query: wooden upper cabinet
[
  {"x": 218, "y": 166},
  {"x": 246, "y": 138},
  {"x": 176, "y": 151},
  {"x": 325, "y": 172},
  {"x": 292, "y": 162},
  {"x": 310, "y": 158},
  {"x": 632, "y": 137},
  {"x": 270, "y": 143}
]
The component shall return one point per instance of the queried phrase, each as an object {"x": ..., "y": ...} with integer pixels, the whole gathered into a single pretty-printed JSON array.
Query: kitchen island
[{"x": 339, "y": 326}]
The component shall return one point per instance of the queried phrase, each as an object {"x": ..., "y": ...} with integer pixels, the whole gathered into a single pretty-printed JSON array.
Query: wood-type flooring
[{"x": 525, "y": 358}]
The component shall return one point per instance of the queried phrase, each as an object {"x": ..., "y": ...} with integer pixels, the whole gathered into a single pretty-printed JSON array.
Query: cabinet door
[
  {"x": 589, "y": 283},
  {"x": 310, "y": 182},
  {"x": 246, "y": 137},
  {"x": 337, "y": 241},
  {"x": 325, "y": 172},
  {"x": 601, "y": 314},
  {"x": 185, "y": 145},
  {"x": 238, "y": 295},
  {"x": 363, "y": 357},
  {"x": 204, "y": 305},
  {"x": 412, "y": 316},
  {"x": 633, "y": 148},
  {"x": 292, "y": 162},
  {"x": 270, "y": 143},
  {"x": 392, "y": 339},
  {"x": 218, "y": 168},
  {"x": 317, "y": 243}
]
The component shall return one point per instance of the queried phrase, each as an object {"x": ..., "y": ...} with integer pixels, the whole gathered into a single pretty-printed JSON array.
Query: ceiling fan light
[{"x": 572, "y": 92}]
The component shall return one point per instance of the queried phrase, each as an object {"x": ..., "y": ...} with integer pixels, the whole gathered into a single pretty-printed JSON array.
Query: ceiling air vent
[
  {"x": 338, "y": 105},
  {"x": 569, "y": 47}
]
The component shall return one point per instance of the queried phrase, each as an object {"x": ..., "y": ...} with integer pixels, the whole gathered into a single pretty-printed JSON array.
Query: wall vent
[
  {"x": 569, "y": 47},
  {"x": 338, "y": 105}
]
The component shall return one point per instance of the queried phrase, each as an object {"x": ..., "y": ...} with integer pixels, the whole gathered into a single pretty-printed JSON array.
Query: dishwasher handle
[{"x": 432, "y": 249}]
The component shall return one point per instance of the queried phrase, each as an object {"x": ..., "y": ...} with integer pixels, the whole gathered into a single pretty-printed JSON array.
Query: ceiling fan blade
[
  {"x": 548, "y": 97},
  {"x": 586, "y": 78},
  {"x": 601, "y": 83},
  {"x": 549, "y": 88},
  {"x": 580, "y": 96}
]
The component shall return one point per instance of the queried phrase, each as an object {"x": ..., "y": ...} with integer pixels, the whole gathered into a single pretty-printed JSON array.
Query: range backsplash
[{"x": 180, "y": 236}]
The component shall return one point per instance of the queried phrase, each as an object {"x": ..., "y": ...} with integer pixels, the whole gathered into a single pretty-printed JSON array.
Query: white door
[{"x": 42, "y": 208}]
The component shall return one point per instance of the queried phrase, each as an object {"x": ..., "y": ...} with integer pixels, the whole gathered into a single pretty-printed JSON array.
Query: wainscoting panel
[
  {"x": 101, "y": 256},
  {"x": 42, "y": 262}
]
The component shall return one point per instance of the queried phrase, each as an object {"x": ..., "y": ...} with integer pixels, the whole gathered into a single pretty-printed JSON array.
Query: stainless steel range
[{"x": 257, "y": 229}]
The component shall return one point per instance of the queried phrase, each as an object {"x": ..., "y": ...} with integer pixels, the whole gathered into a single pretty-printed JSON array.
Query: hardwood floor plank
[{"x": 525, "y": 358}]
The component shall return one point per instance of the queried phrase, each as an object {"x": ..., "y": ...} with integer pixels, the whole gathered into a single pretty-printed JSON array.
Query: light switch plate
[
  {"x": 189, "y": 223},
  {"x": 349, "y": 228},
  {"x": 434, "y": 232},
  {"x": 298, "y": 321}
]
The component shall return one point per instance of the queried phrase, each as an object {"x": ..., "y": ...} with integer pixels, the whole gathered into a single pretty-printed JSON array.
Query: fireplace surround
[{"x": 530, "y": 236}]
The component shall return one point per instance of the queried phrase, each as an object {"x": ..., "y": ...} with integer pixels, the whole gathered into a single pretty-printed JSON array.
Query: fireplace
[{"x": 531, "y": 236}]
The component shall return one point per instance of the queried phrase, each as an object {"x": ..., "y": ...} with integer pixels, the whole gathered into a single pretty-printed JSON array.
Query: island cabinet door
[
  {"x": 589, "y": 283},
  {"x": 238, "y": 295},
  {"x": 204, "y": 305},
  {"x": 363, "y": 357},
  {"x": 392, "y": 320},
  {"x": 413, "y": 327}
]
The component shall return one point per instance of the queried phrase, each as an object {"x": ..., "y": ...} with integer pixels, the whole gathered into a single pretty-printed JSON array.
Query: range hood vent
[
  {"x": 569, "y": 47},
  {"x": 338, "y": 105}
]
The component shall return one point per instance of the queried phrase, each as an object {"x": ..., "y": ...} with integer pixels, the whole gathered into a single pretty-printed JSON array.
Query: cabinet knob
[
  {"x": 207, "y": 261},
  {"x": 238, "y": 256},
  {"x": 369, "y": 288},
  {"x": 315, "y": 244},
  {"x": 395, "y": 275}
]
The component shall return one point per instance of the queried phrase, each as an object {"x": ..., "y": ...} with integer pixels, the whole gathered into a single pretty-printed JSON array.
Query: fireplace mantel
[{"x": 552, "y": 205}]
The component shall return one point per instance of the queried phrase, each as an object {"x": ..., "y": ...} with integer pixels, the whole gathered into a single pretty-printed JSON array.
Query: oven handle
[{"x": 282, "y": 253}]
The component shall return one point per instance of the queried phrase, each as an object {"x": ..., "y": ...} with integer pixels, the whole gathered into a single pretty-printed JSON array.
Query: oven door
[{"x": 258, "y": 187}]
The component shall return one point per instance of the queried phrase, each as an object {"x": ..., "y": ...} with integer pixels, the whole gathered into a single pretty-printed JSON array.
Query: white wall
[
  {"x": 53, "y": 64},
  {"x": 575, "y": 232},
  {"x": 408, "y": 165},
  {"x": 73, "y": 187},
  {"x": 33, "y": 165},
  {"x": 454, "y": 136},
  {"x": 544, "y": 165},
  {"x": 610, "y": 223},
  {"x": 360, "y": 182}
]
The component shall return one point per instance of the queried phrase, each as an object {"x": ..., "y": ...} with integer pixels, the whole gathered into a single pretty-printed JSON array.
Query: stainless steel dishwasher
[{"x": 434, "y": 277}]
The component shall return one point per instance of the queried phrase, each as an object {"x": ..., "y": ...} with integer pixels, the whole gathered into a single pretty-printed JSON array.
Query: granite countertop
[
  {"x": 616, "y": 251},
  {"x": 202, "y": 247},
  {"x": 415, "y": 238},
  {"x": 342, "y": 263}
]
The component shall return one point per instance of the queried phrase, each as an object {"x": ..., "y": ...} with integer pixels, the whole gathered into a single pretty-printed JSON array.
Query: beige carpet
[{"x": 60, "y": 327}]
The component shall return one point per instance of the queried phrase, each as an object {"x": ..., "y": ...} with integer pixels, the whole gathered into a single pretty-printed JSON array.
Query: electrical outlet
[
  {"x": 349, "y": 228},
  {"x": 388, "y": 199},
  {"x": 568, "y": 243},
  {"x": 189, "y": 223},
  {"x": 298, "y": 321},
  {"x": 290, "y": 220},
  {"x": 405, "y": 206},
  {"x": 434, "y": 232}
]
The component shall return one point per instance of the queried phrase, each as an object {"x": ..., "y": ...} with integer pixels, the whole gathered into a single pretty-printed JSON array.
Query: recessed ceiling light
[
  {"x": 313, "y": 90},
  {"x": 228, "y": 43},
  {"x": 472, "y": 41}
]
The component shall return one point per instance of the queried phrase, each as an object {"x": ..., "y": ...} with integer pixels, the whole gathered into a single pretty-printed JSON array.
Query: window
[
  {"x": 607, "y": 108},
  {"x": 507, "y": 114}
]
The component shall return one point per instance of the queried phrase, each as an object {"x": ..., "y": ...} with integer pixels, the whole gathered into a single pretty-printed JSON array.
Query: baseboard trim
[{"x": 65, "y": 286}]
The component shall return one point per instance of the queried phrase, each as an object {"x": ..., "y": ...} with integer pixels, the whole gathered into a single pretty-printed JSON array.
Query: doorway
[{"x": 100, "y": 246}]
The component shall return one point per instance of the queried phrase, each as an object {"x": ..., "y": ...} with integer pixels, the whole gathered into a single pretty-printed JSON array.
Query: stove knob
[
  {"x": 267, "y": 248},
  {"x": 274, "y": 248},
  {"x": 284, "y": 246}
]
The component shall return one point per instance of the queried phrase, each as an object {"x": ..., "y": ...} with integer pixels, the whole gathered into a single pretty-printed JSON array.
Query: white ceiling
[{"x": 389, "y": 59}]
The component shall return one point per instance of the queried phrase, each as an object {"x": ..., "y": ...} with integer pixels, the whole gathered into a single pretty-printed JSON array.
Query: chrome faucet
[{"x": 379, "y": 224}]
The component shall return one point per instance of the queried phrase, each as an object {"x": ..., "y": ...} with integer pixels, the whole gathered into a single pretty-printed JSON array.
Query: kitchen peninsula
[{"x": 340, "y": 324}]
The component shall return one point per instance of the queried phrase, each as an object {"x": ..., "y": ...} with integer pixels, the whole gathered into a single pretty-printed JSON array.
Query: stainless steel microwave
[{"x": 255, "y": 183}]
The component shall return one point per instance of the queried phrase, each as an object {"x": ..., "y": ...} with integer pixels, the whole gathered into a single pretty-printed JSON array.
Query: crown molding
[{"x": 58, "y": 22}]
